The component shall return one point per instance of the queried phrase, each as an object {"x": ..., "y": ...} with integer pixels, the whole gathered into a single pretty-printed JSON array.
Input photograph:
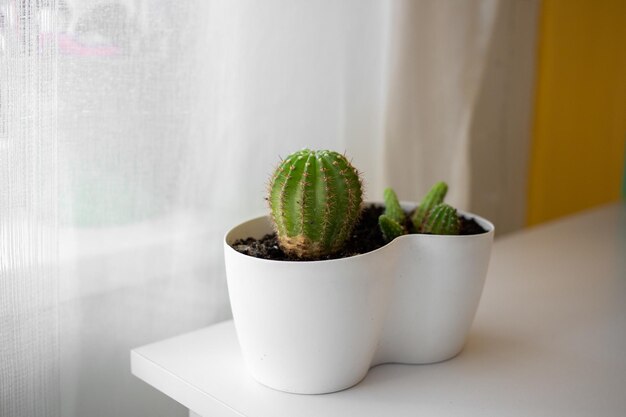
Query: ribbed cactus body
[
  {"x": 392, "y": 221},
  {"x": 315, "y": 199},
  {"x": 441, "y": 220},
  {"x": 392, "y": 206},
  {"x": 434, "y": 197},
  {"x": 390, "y": 228}
]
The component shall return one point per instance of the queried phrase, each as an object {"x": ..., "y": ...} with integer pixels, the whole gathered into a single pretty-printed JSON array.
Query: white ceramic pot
[{"x": 317, "y": 327}]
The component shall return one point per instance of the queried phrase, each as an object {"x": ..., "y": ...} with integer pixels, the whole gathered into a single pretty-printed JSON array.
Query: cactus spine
[
  {"x": 315, "y": 200},
  {"x": 441, "y": 220},
  {"x": 392, "y": 221},
  {"x": 434, "y": 197}
]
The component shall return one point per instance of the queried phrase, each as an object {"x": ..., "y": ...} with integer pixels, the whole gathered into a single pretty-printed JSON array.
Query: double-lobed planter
[{"x": 317, "y": 327}]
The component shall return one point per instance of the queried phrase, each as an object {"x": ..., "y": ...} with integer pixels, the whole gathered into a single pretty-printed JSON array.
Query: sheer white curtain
[
  {"x": 134, "y": 133},
  {"x": 458, "y": 103}
]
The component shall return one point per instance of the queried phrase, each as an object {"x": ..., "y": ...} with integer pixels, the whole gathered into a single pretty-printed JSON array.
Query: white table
[{"x": 549, "y": 339}]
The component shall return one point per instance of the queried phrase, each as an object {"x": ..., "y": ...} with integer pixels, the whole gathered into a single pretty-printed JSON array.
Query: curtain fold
[
  {"x": 29, "y": 337},
  {"x": 134, "y": 133},
  {"x": 459, "y": 103}
]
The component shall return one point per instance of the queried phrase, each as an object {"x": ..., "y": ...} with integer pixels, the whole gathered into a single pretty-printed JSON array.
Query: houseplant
[{"x": 317, "y": 325}]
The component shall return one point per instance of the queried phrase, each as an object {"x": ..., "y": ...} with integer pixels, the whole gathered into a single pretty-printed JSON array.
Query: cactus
[
  {"x": 392, "y": 221},
  {"x": 441, "y": 220},
  {"x": 315, "y": 200},
  {"x": 392, "y": 206},
  {"x": 391, "y": 229},
  {"x": 434, "y": 197}
]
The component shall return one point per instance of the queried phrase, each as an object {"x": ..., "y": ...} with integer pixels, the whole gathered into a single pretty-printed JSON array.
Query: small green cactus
[
  {"x": 431, "y": 216},
  {"x": 434, "y": 197},
  {"x": 441, "y": 220},
  {"x": 315, "y": 200},
  {"x": 392, "y": 221},
  {"x": 390, "y": 228},
  {"x": 392, "y": 206}
]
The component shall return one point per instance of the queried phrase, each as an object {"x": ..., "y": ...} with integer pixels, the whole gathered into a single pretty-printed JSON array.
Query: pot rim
[{"x": 486, "y": 224}]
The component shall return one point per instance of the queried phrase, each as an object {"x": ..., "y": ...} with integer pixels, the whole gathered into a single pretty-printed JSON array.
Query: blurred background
[{"x": 134, "y": 133}]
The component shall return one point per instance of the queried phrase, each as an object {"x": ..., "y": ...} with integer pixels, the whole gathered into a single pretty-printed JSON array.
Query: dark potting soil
[{"x": 366, "y": 237}]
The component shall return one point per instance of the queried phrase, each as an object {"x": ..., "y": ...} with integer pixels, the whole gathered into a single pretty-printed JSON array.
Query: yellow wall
[{"x": 577, "y": 156}]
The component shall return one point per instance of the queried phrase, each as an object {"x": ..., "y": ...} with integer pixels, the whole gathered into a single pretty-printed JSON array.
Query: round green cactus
[{"x": 315, "y": 200}]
